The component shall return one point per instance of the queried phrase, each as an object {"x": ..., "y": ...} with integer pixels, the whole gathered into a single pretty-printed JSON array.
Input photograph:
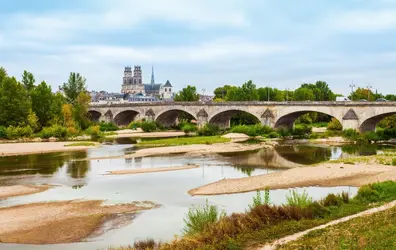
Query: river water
[{"x": 80, "y": 179}]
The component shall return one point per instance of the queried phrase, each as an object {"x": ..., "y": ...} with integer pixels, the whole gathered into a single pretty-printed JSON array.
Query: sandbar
[
  {"x": 151, "y": 170},
  {"x": 58, "y": 222},
  {"x": 325, "y": 175},
  {"x": 19, "y": 190},
  {"x": 140, "y": 134},
  {"x": 12, "y": 149}
]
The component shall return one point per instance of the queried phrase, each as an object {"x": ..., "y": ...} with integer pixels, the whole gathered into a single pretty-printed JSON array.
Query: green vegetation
[
  {"x": 334, "y": 124},
  {"x": 146, "y": 126},
  {"x": 298, "y": 200},
  {"x": 80, "y": 144},
  {"x": 199, "y": 218},
  {"x": 108, "y": 126},
  {"x": 188, "y": 128},
  {"x": 187, "y": 94},
  {"x": 252, "y": 130},
  {"x": 209, "y": 130},
  {"x": 260, "y": 200},
  {"x": 208, "y": 229},
  {"x": 182, "y": 141}
]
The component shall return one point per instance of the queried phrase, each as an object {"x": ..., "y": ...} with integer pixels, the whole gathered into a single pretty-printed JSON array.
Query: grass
[
  {"x": 383, "y": 159},
  {"x": 376, "y": 231},
  {"x": 182, "y": 141},
  {"x": 81, "y": 144}
]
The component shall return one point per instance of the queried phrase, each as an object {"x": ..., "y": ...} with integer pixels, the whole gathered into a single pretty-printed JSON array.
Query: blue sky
[{"x": 205, "y": 43}]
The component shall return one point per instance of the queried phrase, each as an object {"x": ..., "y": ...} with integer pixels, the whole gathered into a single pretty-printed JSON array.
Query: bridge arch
[
  {"x": 223, "y": 118},
  {"x": 370, "y": 124},
  {"x": 288, "y": 120},
  {"x": 125, "y": 117},
  {"x": 170, "y": 118},
  {"x": 94, "y": 115}
]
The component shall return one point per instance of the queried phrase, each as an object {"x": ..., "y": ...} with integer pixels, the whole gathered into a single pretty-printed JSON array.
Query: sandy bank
[
  {"x": 138, "y": 134},
  {"x": 11, "y": 149},
  {"x": 58, "y": 222},
  {"x": 151, "y": 170},
  {"x": 19, "y": 190},
  {"x": 326, "y": 175}
]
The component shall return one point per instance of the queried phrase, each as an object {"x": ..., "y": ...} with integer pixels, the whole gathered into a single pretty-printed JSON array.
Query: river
[{"x": 81, "y": 179}]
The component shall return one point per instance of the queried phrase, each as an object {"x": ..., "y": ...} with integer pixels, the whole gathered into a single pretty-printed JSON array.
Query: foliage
[
  {"x": 298, "y": 200},
  {"x": 67, "y": 113},
  {"x": 33, "y": 121},
  {"x": 388, "y": 122},
  {"x": 393, "y": 160},
  {"x": 221, "y": 92},
  {"x": 363, "y": 94},
  {"x": 247, "y": 92},
  {"x": 148, "y": 126},
  {"x": 303, "y": 94},
  {"x": 75, "y": 85},
  {"x": 3, "y": 132},
  {"x": 283, "y": 131},
  {"x": 108, "y": 126},
  {"x": 244, "y": 118},
  {"x": 302, "y": 129},
  {"x": 252, "y": 130},
  {"x": 182, "y": 141},
  {"x": 332, "y": 200},
  {"x": 187, "y": 128},
  {"x": 42, "y": 101},
  {"x": 199, "y": 218},
  {"x": 334, "y": 124},
  {"x": 148, "y": 244},
  {"x": 80, "y": 110},
  {"x": 57, "y": 131},
  {"x": 28, "y": 80},
  {"x": 259, "y": 200},
  {"x": 94, "y": 132},
  {"x": 187, "y": 94},
  {"x": 209, "y": 129},
  {"x": 350, "y": 134},
  {"x": 18, "y": 132},
  {"x": 273, "y": 134}
]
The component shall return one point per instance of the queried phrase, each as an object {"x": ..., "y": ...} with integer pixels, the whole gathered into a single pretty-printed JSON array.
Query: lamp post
[
  {"x": 352, "y": 86},
  {"x": 368, "y": 92}
]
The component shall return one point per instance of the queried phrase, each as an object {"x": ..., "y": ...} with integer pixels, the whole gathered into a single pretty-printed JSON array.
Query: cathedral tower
[{"x": 137, "y": 75}]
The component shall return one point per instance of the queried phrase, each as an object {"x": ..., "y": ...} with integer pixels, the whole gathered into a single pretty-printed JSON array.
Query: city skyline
[{"x": 201, "y": 43}]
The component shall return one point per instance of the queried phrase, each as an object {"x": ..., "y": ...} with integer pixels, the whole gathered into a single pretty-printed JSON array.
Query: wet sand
[
  {"x": 19, "y": 190},
  {"x": 325, "y": 175},
  {"x": 11, "y": 149},
  {"x": 151, "y": 170},
  {"x": 58, "y": 222}
]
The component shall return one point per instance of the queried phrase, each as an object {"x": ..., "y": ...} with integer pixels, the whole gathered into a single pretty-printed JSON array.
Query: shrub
[
  {"x": 273, "y": 134},
  {"x": 146, "y": 244},
  {"x": 252, "y": 130},
  {"x": 332, "y": 200},
  {"x": 350, "y": 134},
  {"x": 259, "y": 200},
  {"x": 108, "y": 126},
  {"x": 18, "y": 132},
  {"x": 72, "y": 131},
  {"x": 200, "y": 217},
  {"x": 318, "y": 210},
  {"x": 302, "y": 129},
  {"x": 334, "y": 124},
  {"x": 209, "y": 129},
  {"x": 367, "y": 194},
  {"x": 3, "y": 132},
  {"x": 283, "y": 131},
  {"x": 344, "y": 196},
  {"x": 148, "y": 126},
  {"x": 57, "y": 131},
  {"x": 135, "y": 124},
  {"x": 371, "y": 136},
  {"x": 298, "y": 200},
  {"x": 187, "y": 128},
  {"x": 94, "y": 132},
  {"x": 393, "y": 161}
]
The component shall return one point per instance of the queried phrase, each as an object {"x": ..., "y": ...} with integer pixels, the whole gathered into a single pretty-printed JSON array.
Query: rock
[
  {"x": 52, "y": 139},
  {"x": 236, "y": 137},
  {"x": 38, "y": 139}
]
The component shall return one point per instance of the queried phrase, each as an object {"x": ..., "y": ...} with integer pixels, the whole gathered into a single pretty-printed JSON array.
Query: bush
[
  {"x": 298, "y": 200},
  {"x": 135, "y": 124},
  {"x": 334, "y": 124},
  {"x": 94, "y": 132},
  {"x": 302, "y": 129},
  {"x": 148, "y": 126},
  {"x": 259, "y": 200},
  {"x": 350, "y": 134},
  {"x": 18, "y": 132},
  {"x": 273, "y": 134},
  {"x": 367, "y": 194},
  {"x": 148, "y": 244},
  {"x": 187, "y": 128},
  {"x": 3, "y": 132},
  {"x": 57, "y": 131},
  {"x": 344, "y": 197},
  {"x": 318, "y": 210},
  {"x": 209, "y": 129},
  {"x": 371, "y": 136},
  {"x": 283, "y": 131},
  {"x": 394, "y": 162},
  {"x": 199, "y": 218},
  {"x": 108, "y": 126},
  {"x": 332, "y": 200},
  {"x": 252, "y": 130}
]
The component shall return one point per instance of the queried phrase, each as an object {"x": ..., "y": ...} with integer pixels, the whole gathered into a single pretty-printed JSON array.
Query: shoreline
[
  {"x": 151, "y": 170},
  {"x": 27, "y": 148},
  {"x": 20, "y": 190},
  {"x": 62, "y": 221},
  {"x": 325, "y": 175}
]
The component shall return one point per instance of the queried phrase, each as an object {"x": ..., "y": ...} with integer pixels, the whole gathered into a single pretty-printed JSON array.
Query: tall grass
[
  {"x": 200, "y": 217},
  {"x": 259, "y": 200},
  {"x": 298, "y": 200}
]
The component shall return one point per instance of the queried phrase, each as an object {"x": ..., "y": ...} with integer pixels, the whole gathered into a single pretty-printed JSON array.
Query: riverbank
[
  {"x": 19, "y": 190},
  {"x": 151, "y": 170},
  {"x": 59, "y": 222},
  {"x": 24, "y": 148},
  {"x": 325, "y": 175},
  {"x": 129, "y": 133}
]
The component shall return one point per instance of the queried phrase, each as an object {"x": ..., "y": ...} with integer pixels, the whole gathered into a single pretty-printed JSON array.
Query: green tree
[
  {"x": 3, "y": 74},
  {"x": 247, "y": 92},
  {"x": 42, "y": 103},
  {"x": 80, "y": 110},
  {"x": 188, "y": 94},
  {"x": 304, "y": 94},
  {"x": 28, "y": 80},
  {"x": 14, "y": 103},
  {"x": 221, "y": 92},
  {"x": 362, "y": 93},
  {"x": 74, "y": 86},
  {"x": 56, "y": 108}
]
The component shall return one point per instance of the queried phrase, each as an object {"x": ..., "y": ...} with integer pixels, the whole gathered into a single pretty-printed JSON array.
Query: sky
[{"x": 205, "y": 43}]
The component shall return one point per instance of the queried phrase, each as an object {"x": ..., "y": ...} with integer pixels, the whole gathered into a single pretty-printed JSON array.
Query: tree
[
  {"x": 74, "y": 86},
  {"x": 28, "y": 80},
  {"x": 56, "y": 108},
  {"x": 247, "y": 92},
  {"x": 362, "y": 93},
  {"x": 188, "y": 94},
  {"x": 3, "y": 74},
  {"x": 221, "y": 92},
  {"x": 80, "y": 111},
  {"x": 304, "y": 94},
  {"x": 14, "y": 103},
  {"x": 42, "y": 99}
]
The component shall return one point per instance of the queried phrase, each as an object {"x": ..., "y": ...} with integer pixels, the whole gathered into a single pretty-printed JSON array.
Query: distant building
[{"x": 133, "y": 84}]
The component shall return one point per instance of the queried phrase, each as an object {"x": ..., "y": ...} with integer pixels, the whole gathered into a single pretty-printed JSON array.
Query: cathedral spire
[{"x": 152, "y": 75}]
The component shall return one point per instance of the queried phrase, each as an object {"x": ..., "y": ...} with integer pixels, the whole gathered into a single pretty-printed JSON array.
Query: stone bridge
[{"x": 362, "y": 116}]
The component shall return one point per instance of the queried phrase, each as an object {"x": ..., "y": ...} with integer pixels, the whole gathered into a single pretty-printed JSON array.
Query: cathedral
[{"x": 133, "y": 84}]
